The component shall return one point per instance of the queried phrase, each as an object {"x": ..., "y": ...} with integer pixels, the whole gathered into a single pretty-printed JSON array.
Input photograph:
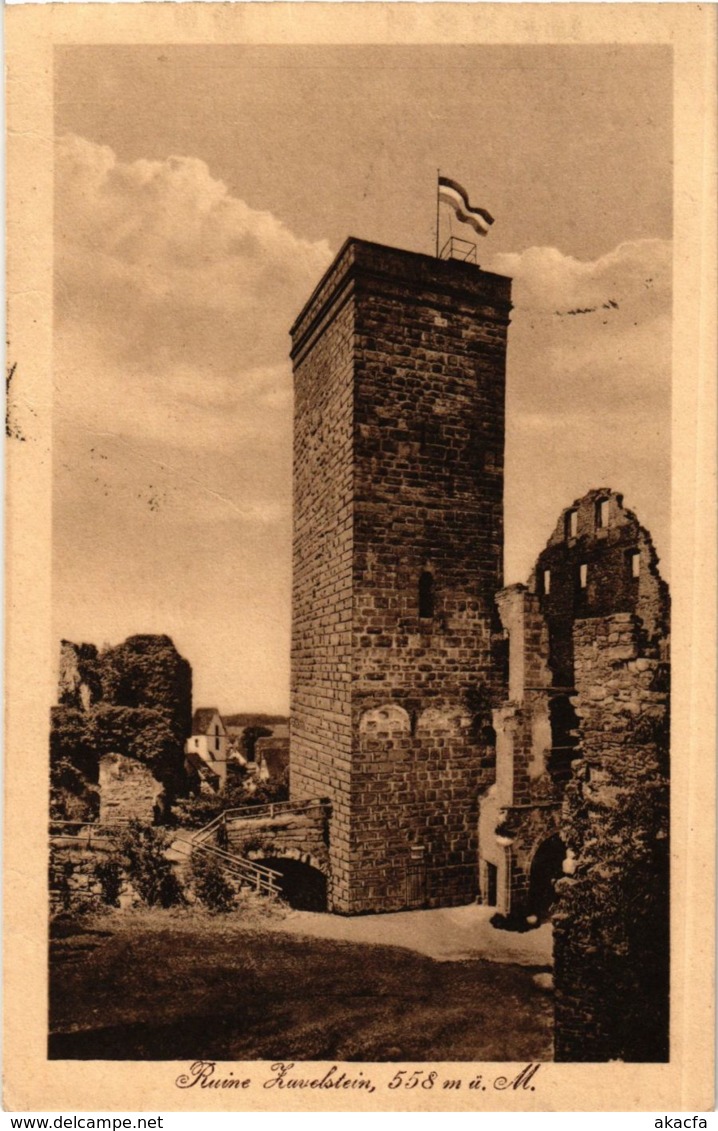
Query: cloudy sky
[{"x": 200, "y": 194}]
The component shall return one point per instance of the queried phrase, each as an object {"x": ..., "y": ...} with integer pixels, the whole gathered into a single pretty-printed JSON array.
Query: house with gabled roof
[{"x": 206, "y": 748}]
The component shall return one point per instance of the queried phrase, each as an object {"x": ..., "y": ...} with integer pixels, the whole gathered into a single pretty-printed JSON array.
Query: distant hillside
[{"x": 248, "y": 719}]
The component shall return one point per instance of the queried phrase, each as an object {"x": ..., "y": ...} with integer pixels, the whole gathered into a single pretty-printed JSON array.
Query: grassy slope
[{"x": 164, "y": 987}]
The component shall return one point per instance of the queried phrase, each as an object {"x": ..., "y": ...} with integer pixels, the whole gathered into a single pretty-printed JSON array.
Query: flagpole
[{"x": 438, "y": 171}]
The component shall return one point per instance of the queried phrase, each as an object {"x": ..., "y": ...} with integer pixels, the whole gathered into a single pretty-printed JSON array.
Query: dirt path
[{"x": 449, "y": 934}]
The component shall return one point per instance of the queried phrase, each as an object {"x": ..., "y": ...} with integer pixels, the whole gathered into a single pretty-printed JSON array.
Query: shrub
[
  {"x": 196, "y": 812},
  {"x": 72, "y": 797},
  {"x": 513, "y": 922},
  {"x": 143, "y": 849},
  {"x": 108, "y": 873},
  {"x": 271, "y": 791},
  {"x": 242, "y": 791},
  {"x": 210, "y": 883}
]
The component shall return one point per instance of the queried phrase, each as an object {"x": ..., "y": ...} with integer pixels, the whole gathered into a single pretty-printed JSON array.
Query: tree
[
  {"x": 249, "y": 740},
  {"x": 148, "y": 671},
  {"x": 71, "y": 741},
  {"x": 134, "y": 699},
  {"x": 142, "y": 851},
  {"x": 72, "y": 798}
]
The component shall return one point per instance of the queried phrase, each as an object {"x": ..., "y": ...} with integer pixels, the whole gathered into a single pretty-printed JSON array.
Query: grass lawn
[{"x": 186, "y": 986}]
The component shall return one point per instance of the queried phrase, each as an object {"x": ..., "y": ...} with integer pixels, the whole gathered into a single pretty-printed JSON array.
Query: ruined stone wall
[
  {"x": 611, "y": 945},
  {"x": 128, "y": 790},
  {"x": 525, "y": 801},
  {"x": 134, "y": 699},
  {"x": 74, "y": 883},
  {"x": 620, "y": 574},
  {"x": 424, "y": 545}
]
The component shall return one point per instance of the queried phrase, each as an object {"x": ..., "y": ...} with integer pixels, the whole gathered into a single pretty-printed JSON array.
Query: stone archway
[
  {"x": 546, "y": 868},
  {"x": 303, "y": 885}
]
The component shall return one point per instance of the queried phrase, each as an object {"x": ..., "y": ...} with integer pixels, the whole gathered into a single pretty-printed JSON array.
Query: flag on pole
[{"x": 452, "y": 193}]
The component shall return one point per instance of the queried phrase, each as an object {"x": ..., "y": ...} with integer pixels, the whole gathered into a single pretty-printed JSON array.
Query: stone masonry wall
[
  {"x": 526, "y": 800},
  {"x": 611, "y": 924},
  {"x": 73, "y": 876},
  {"x": 602, "y": 539},
  {"x": 424, "y": 383},
  {"x": 320, "y": 726},
  {"x": 298, "y": 836},
  {"x": 128, "y": 790}
]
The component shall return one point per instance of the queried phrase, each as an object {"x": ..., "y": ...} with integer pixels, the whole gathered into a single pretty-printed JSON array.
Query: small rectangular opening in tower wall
[
  {"x": 601, "y": 514},
  {"x": 582, "y": 575},
  {"x": 492, "y": 885},
  {"x": 546, "y": 582},
  {"x": 571, "y": 524},
  {"x": 634, "y": 562},
  {"x": 426, "y": 595}
]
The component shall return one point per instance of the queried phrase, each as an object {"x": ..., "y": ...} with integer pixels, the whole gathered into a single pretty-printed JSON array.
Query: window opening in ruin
[
  {"x": 564, "y": 738},
  {"x": 634, "y": 559},
  {"x": 487, "y": 735},
  {"x": 426, "y": 595},
  {"x": 546, "y": 582},
  {"x": 582, "y": 575},
  {"x": 571, "y": 529},
  {"x": 601, "y": 514}
]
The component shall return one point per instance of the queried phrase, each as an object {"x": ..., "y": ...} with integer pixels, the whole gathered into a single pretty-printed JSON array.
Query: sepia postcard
[{"x": 360, "y": 724}]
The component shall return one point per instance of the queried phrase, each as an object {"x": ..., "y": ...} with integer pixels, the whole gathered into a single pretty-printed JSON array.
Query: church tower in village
[{"x": 399, "y": 369}]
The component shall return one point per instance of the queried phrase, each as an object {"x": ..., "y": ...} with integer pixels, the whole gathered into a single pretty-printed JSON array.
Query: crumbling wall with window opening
[{"x": 599, "y": 562}]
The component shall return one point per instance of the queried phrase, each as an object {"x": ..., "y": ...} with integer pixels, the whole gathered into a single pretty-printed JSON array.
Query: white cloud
[
  {"x": 589, "y": 382},
  {"x": 546, "y": 280},
  {"x": 169, "y": 269},
  {"x": 173, "y": 302}
]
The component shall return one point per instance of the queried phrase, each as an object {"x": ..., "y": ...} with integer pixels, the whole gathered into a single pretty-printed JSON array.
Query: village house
[
  {"x": 272, "y": 755},
  {"x": 207, "y": 747}
]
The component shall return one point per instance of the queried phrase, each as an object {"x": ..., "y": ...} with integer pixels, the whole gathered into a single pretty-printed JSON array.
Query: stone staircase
[
  {"x": 289, "y": 830},
  {"x": 210, "y": 842}
]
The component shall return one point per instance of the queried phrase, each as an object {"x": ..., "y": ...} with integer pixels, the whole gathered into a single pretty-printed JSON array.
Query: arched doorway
[
  {"x": 546, "y": 868},
  {"x": 303, "y": 887}
]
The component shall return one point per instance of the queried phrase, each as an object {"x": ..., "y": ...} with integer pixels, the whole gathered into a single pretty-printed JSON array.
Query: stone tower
[{"x": 399, "y": 368}]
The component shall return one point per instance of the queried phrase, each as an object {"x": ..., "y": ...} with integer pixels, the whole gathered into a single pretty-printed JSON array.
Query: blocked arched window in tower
[{"x": 389, "y": 718}]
